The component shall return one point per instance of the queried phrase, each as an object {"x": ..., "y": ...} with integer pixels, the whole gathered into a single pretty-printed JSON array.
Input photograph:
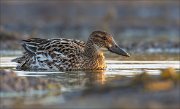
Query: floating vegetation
[
  {"x": 167, "y": 80},
  {"x": 170, "y": 73}
]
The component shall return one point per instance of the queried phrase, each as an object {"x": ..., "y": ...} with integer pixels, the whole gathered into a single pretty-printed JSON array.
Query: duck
[{"x": 62, "y": 54}]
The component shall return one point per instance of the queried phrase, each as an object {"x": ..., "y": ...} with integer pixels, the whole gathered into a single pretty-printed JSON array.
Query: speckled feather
[
  {"x": 64, "y": 54},
  {"x": 50, "y": 54}
]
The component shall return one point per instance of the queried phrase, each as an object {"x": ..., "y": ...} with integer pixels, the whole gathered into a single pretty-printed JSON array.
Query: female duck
[{"x": 67, "y": 54}]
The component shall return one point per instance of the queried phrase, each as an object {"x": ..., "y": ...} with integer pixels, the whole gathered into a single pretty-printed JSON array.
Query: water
[
  {"x": 113, "y": 67},
  {"x": 73, "y": 82}
]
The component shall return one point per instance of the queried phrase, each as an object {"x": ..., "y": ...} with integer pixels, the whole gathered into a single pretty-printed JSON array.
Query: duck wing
[
  {"x": 34, "y": 45},
  {"x": 61, "y": 48},
  {"x": 31, "y": 45},
  {"x": 48, "y": 52}
]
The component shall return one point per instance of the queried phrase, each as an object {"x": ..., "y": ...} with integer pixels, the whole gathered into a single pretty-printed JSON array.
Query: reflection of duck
[
  {"x": 67, "y": 54},
  {"x": 79, "y": 79},
  {"x": 94, "y": 77}
]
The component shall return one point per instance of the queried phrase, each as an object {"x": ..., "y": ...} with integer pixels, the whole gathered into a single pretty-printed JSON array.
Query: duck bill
[{"x": 116, "y": 49}]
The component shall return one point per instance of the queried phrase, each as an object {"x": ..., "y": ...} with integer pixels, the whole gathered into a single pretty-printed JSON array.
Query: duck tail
[
  {"x": 20, "y": 59},
  {"x": 17, "y": 60}
]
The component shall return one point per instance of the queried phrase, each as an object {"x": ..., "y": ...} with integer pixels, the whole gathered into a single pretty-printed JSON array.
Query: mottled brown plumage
[{"x": 67, "y": 54}]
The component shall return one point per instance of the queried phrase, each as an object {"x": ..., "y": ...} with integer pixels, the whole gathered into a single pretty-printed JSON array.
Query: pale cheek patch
[
  {"x": 99, "y": 48},
  {"x": 110, "y": 45}
]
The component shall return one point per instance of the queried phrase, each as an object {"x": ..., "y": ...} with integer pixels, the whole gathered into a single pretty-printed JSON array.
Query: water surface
[{"x": 73, "y": 82}]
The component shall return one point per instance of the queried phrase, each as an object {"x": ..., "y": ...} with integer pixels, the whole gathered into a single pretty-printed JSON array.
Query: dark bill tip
[{"x": 116, "y": 49}]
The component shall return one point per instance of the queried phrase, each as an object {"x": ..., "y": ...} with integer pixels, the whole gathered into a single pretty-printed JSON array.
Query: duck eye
[{"x": 104, "y": 38}]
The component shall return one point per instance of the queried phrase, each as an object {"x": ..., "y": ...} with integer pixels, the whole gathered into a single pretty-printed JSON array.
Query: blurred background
[
  {"x": 147, "y": 29},
  {"x": 137, "y": 25}
]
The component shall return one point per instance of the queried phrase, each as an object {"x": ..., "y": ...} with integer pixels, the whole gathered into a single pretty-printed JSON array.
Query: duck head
[{"x": 103, "y": 39}]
